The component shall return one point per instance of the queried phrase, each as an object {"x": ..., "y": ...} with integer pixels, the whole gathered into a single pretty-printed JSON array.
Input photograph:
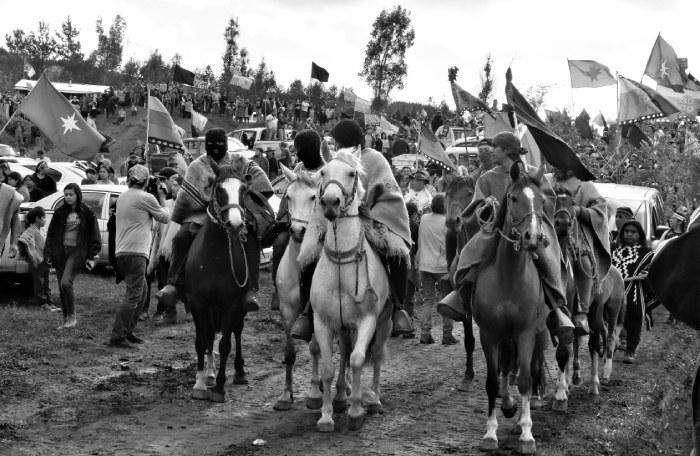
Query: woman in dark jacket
[{"x": 73, "y": 240}]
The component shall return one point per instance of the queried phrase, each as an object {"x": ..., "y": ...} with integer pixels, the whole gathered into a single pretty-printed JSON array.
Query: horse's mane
[
  {"x": 351, "y": 160},
  {"x": 459, "y": 181},
  {"x": 305, "y": 178}
]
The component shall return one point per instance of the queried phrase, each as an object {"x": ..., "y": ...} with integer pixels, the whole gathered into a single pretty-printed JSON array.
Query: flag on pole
[
  {"x": 465, "y": 100},
  {"x": 241, "y": 81},
  {"x": 663, "y": 66},
  {"x": 555, "y": 150},
  {"x": 349, "y": 95},
  {"x": 58, "y": 120},
  {"x": 692, "y": 84},
  {"x": 589, "y": 73},
  {"x": 29, "y": 69},
  {"x": 687, "y": 102},
  {"x": 319, "y": 73},
  {"x": 198, "y": 123},
  {"x": 431, "y": 148},
  {"x": 583, "y": 126},
  {"x": 362, "y": 105},
  {"x": 182, "y": 75},
  {"x": 161, "y": 128},
  {"x": 639, "y": 102}
]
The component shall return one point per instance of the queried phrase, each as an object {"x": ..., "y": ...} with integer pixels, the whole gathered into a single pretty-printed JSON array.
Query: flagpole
[
  {"x": 146, "y": 149},
  {"x": 9, "y": 120}
]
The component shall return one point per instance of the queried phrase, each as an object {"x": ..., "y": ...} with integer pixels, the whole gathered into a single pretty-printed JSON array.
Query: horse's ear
[
  {"x": 215, "y": 166},
  {"x": 515, "y": 172},
  {"x": 288, "y": 173},
  {"x": 540, "y": 172},
  {"x": 358, "y": 152}
]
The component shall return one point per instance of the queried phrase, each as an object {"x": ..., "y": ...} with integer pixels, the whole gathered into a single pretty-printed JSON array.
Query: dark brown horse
[
  {"x": 509, "y": 303},
  {"x": 216, "y": 277},
  {"x": 607, "y": 303},
  {"x": 459, "y": 194}
]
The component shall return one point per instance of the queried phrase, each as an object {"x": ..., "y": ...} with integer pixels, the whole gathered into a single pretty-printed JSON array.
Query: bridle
[
  {"x": 573, "y": 237},
  {"x": 517, "y": 239},
  {"x": 291, "y": 219},
  {"x": 348, "y": 201}
]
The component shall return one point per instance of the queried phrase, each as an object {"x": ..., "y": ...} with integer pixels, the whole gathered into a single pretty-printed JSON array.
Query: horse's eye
[
  {"x": 352, "y": 173},
  {"x": 514, "y": 199},
  {"x": 313, "y": 198},
  {"x": 322, "y": 173}
]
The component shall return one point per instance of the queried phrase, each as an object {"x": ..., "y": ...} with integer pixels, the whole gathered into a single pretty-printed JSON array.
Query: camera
[{"x": 154, "y": 184}]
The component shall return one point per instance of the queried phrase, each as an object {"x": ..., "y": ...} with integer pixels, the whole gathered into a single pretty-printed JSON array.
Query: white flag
[
  {"x": 349, "y": 95},
  {"x": 29, "y": 69},
  {"x": 241, "y": 81},
  {"x": 198, "y": 121},
  {"x": 362, "y": 105}
]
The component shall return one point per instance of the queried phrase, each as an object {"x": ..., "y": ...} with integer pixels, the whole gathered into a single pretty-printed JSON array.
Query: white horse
[
  {"x": 301, "y": 197},
  {"x": 349, "y": 291}
]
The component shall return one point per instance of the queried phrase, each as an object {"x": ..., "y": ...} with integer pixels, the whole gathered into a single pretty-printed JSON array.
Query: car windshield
[{"x": 7, "y": 151}]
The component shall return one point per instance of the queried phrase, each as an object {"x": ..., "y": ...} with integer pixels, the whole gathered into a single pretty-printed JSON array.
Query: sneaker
[
  {"x": 46, "y": 307},
  {"x": 449, "y": 339},
  {"x": 134, "y": 339},
  {"x": 53, "y": 308},
  {"x": 628, "y": 358},
  {"x": 166, "y": 320},
  {"x": 427, "y": 338},
  {"x": 71, "y": 321},
  {"x": 121, "y": 343}
]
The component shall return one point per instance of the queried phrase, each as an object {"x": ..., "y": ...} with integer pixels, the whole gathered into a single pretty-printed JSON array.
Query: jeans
[
  {"x": 430, "y": 294},
  {"x": 634, "y": 320},
  {"x": 133, "y": 267},
  {"x": 67, "y": 269},
  {"x": 40, "y": 280}
]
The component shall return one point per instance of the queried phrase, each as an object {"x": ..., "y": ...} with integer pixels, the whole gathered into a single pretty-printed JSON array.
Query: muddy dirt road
[{"x": 66, "y": 393}]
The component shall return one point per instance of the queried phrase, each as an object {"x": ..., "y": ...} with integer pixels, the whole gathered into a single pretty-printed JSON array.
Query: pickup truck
[{"x": 258, "y": 135}]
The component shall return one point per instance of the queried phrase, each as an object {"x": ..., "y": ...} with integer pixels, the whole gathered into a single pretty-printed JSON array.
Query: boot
[
  {"x": 167, "y": 296},
  {"x": 452, "y": 306},
  {"x": 629, "y": 358},
  {"x": 403, "y": 324},
  {"x": 275, "y": 301},
  {"x": 303, "y": 327},
  {"x": 449, "y": 339},
  {"x": 581, "y": 325},
  {"x": 426, "y": 338},
  {"x": 250, "y": 301}
]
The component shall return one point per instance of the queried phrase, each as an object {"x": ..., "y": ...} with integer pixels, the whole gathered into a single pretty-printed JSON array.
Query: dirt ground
[{"x": 66, "y": 393}]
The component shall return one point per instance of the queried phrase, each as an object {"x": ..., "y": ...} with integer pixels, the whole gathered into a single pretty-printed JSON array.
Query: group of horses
[{"x": 350, "y": 296}]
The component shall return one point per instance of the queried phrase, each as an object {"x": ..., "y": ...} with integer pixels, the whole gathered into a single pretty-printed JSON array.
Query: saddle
[{"x": 262, "y": 217}]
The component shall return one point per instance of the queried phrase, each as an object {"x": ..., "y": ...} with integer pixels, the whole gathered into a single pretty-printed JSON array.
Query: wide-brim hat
[{"x": 420, "y": 175}]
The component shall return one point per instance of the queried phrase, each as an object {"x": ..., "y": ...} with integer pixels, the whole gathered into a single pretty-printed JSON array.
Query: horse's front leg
[
  {"x": 576, "y": 379},
  {"x": 340, "y": 401},
  {"x": 285, "y": 401},
  {"x": 489, "y": 442},
  {"x": 200, "y": 344},
  {"x": 365, "y": 331},
  {"x": 218, "y": 393},
  {"x": 563, "y": 354},
  {"x": 314, "y": 398},
  {"x": 526, "y": 442},
  {"x": 239, "y": 377},
  {"x": 324, "y": 337},
  {"x": 381, "y": 335},
  {"x": 467, "y": 384},
  {"x": 594, "y": 349}
]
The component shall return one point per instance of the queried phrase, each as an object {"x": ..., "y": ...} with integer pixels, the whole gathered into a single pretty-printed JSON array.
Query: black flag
[
  {"x": 319, "y": 73},
  {"x": 182, "y": 75}
]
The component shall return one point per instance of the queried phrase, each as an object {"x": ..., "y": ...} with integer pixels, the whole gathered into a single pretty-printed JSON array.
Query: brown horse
[
  {"x": 509, "y": 303},
  {"x": 607, "y": 304},
  {"x": 459, "y": 194}
]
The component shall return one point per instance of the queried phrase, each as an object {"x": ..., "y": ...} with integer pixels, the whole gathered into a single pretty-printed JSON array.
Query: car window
[
  {"x": 112, "y": 201},
  {"x": 94, "y": 200}
]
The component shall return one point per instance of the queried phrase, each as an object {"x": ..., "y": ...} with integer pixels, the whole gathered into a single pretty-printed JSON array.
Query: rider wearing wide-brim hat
[
  {"x": 190, "y": 212},
  {"x": 489, "y": 192}
]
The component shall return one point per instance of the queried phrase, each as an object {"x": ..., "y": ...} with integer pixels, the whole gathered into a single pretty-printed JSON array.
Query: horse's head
[
  {"x": 341, "y": 189},
  {"x": 564, "y": 214},
  {"x": 225, "y": 205},
  {"x": 301, "y": 197},
  {"x": 526, "y": 206},
  {"x": 458, "y": 196}
]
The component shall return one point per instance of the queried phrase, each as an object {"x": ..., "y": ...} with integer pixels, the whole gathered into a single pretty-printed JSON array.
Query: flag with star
[
  {"x": 663, "y": 66},
  {"x": 639, "y": 102},
  {"x": 53, "y": 114},
  {"x": 161, "y": 128},
  {"x": 466, "y": 101},
  {"x": 589, "y": 73}
]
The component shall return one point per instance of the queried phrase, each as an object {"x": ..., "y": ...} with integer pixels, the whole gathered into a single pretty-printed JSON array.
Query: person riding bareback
[
  {"x": 191, "y": 211},
  {"x": 490, "y": 191},
  {"x": 390, "y": 234}
]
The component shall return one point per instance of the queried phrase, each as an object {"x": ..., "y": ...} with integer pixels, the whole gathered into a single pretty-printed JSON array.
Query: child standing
[{"x": 33, "y": 241}]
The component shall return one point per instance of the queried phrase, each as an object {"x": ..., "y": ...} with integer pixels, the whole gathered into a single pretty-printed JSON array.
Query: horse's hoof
[
  {"x": 466, "y": 386},
  {"x": 374, "y": 409},
  {"x": 201, "y": 394},
  {"x": 326, "y": 426},
  {"x": 216, "y": 396},
  {"x": 593, "y": 391},
  {"x": 560, "y": 405},
  {"x": 536, "y": 404},
  {"x": 527, "y": 447},
  {"x": 210, "y": 381},
  {"x": 488, "y": 444},
  {"x": 240, "y": 379},
  {"x": 339, "y": 405},
  {"x": 509, "y": 412},
  {"x": 283, "y": 405},
  {"x": 576, "y": 380},
  {"x": 314, "y": 403},
  {"x": 356, "y": 422}
]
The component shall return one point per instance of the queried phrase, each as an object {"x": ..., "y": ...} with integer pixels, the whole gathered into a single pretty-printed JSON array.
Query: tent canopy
[{"x": 63, "y": 87}]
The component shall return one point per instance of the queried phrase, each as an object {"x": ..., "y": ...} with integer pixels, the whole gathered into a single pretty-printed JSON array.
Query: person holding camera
[
  {"x": 72, "y": 241},
  {"x": 136, "y": 211}
]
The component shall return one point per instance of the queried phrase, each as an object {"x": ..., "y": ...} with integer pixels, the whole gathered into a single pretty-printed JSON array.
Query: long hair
[{"x": 78, "y": 195}]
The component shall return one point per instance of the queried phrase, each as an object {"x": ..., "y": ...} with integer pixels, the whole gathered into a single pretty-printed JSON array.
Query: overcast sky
[{"x": 535, "y": 37}]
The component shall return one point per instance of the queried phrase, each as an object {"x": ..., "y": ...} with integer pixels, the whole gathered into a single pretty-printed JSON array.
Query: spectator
[
  {"x": 297, "y": 111},
  {"x": 281, "y": 123},
  {"x": 35, "y": 193},
  {"x": 272, "y": 163},
  {"x": 379, "y": 145},
  {"x": 271, "y": 125},
  {"x": 304, "y": 110},
  {"x": 258, "y": 109},
  {"x": 45, "y": 182},
  {"x": 33, "y": 241},
  {"x": 622, "y": 214},
  {"x": 413, "y": 283},
  {"x": 121, "y": 117},
  {"x": 14, "y": 180},
  {"x": 22, "y": 152},
  {"x": 136, "y": 211},
  {"x": 401, "y": 147},
  {"x": 5, "y": 167},
  {"x": 73, "y": 240},
  {"x": 40, "y": 156},
  {"x": 432, "y": 264},
  {"x": 91, "y": 121},
  {"x": 261, "y": 160},
  {"x": 285, "y": 157},
  {"x": 90, "y": 177},
  {"x": 632, "y": 257},
  {"x": 420, "y": 194},
  {"x": 103, "y": 175},
  {"x": 169, "y": 177}
]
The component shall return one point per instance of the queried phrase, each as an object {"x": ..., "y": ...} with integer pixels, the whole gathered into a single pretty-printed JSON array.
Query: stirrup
[
  {"x": 402, "y": 322},
  {"x": 452, "y": 306},
  {"x": 167, "y": 296},
  {"x": 302, "y": 328}
]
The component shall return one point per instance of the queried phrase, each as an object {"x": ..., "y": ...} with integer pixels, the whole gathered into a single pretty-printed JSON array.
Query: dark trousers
[
  {"x": 40, "y": 281},
  {"x": 67, "y": 269},
  {"x": 133, "y": 267},
  {"x": 634, "y": 319}
]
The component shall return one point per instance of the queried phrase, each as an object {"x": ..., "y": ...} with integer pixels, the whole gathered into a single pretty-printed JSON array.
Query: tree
[
  {"x": 264, "y": 79},
  {"x": 176, "y": 60},
  {"x": 132, "y": 70},
  {"x": 535, "y": 94},
  {"x": 155, "y": 69},
  {"x": 384, "y": 67},
  {"x": 486, "y": 80},
  {"x": 110, "y": 47},
  {"x": 204, "y": 78},
  {"x": 332, "y": 92},
  {"x": 40, "y": 48},
  {"x": 296, "y": 90},
  {"x": 69, "y": 46}
]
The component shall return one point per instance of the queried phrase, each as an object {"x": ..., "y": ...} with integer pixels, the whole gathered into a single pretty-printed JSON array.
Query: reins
[{"x": 574, "y": 237}]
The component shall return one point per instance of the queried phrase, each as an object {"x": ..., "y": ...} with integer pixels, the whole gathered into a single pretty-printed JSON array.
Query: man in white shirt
[
  {"x": 271, "y": 125},
  {"x": 304, "y": 110},
  {"x": 420, "y": 194}
]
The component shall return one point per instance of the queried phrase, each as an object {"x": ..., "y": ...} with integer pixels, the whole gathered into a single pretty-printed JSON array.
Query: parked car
[
  {"x": 646, "y": 204},
  {"x": 258, "y": 135},
  {"x": 195, "y": 147},
  {"x": 8, "y": 154},
  {"x": 62, "y": 172}
]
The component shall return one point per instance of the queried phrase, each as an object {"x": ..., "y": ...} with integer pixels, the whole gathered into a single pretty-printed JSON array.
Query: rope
[
  {"x": 340, "y": 283},
  {"x": 488, "y": 225},
  {"x": 241, "y": 239}
]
